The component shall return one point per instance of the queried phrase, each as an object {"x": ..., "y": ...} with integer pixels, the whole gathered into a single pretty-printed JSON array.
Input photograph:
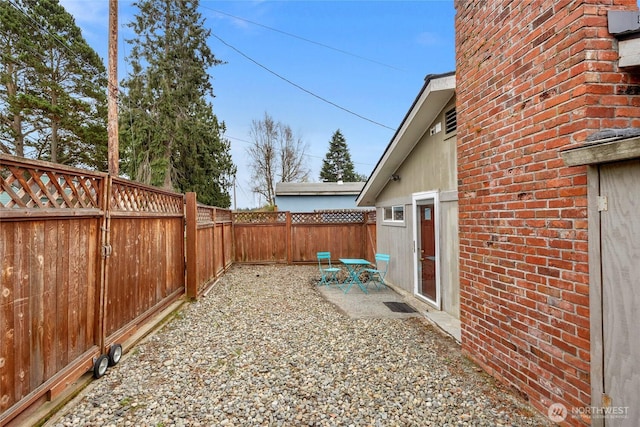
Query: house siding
[
  {"x": 449, "y": 254},
  {"x": 313, "y": 203},
  {"x": 540, "y": 77},
  {"x": 397, "y": 240},
  {"x": 431, "y": 166}
]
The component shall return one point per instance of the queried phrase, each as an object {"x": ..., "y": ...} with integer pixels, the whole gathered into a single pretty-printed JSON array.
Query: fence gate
[{"x": 619, "y": 206}]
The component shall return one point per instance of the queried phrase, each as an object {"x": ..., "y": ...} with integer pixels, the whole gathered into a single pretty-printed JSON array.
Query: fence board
[
  {"x": 227, "y": 229},
  {"x": 7, "y": 359},
  {"x": 370, "y": 240},
  {"x": 62, "y": 270},
  {"x": 36, "y": 305},
  {"x": 222, "y": 251},
  {"x": 21, "y": 289},
  {"x": 205, "y": 254}
]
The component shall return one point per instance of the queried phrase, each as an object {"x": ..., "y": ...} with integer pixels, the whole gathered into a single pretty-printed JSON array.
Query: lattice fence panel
[
  {"x": 205, "y": 215},
  {"x": 30, "y": 187},
  {"x": 330, "y": 217},
  {"x": 129, "y": 197},
  {"x": 259, "y": 217},
  {"x": 208, "y": 214},
  {"x": 223, "y": 215},
  {"x": 371, "y": 216}
]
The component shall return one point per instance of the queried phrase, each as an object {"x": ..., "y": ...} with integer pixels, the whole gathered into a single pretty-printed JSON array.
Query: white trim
[
  {"x": 434, "y": 96},
  {"x": 393, "y": 220},
  {"x": 416, "y": 198}
]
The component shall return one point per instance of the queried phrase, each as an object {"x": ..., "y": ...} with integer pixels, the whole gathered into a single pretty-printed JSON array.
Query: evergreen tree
[
  {"x": 52, "y": 87},
  {"x": 337, "y": 164},
  {"x": 169, "y": 136},
  {"x": 15, "y": 72}
]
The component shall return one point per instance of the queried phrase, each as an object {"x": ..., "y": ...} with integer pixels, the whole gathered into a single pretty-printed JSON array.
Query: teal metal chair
[
  {"x": 329, "y": 274},
  {"x": 378, "y": 273}
]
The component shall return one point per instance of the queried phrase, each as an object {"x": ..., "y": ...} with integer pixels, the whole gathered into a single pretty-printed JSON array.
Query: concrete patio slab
[{"x": 358, "y": 305}]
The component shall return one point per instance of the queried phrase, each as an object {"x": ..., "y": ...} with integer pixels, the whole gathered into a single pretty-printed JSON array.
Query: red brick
[{"x": 516, "y": 111}]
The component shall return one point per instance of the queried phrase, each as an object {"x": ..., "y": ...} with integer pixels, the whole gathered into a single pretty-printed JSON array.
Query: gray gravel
[{"x": 263, "y": 348}]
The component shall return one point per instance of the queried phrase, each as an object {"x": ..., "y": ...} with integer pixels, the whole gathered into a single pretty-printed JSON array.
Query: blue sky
[{"x": 367, "y": 57}]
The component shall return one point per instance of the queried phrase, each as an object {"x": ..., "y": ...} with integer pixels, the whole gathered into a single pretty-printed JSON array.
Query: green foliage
[
  {"x": 52, "y": 87},
  {"x": 169, "y": 136},
  {"x": 337, "y": 164}
]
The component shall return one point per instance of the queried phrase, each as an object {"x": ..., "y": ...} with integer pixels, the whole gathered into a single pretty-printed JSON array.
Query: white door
[{"x": 426, "y": 232}]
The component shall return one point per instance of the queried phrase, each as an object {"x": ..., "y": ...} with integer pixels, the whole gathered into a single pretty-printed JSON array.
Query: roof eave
[{"x": 433, "y": 97}]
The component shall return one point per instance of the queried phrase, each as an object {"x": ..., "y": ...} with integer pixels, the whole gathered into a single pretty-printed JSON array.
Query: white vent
[{"x": 451, "y": 121}]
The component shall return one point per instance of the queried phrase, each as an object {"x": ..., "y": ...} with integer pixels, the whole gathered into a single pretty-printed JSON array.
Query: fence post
[
  {"x": 213, "y": 244},
  {"x": 371, "y": 247},
  {"x": 288, "y": 238},
  {"x": 364, "y": 235},
  {"x": 104, "y": 246},
  {"x": 192, "y": 244}
]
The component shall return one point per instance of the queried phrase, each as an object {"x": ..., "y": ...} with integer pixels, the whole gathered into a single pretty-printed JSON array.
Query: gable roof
[
  {"x": 318, "y": 188},
  {"x": 437, "y": 91}
]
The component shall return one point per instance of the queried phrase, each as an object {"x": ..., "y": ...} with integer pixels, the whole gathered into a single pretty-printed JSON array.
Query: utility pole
[
  {"x": 235, "y": 206},
  {"x": 112, "y": 90}
]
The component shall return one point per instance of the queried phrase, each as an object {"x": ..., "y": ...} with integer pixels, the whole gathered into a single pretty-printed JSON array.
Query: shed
[{"x": 414, "y": 190}]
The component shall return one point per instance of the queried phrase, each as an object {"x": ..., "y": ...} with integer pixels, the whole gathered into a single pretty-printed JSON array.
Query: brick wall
[{"x": 533, "y": 77}]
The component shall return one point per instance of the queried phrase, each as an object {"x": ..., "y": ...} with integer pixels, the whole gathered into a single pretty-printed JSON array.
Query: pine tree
[
  {"x": 53, "y": 87},
  {"x": 169, "y": 136},
  {"x": 337, "y": 164},
  {"x": 15, "y": 72}
]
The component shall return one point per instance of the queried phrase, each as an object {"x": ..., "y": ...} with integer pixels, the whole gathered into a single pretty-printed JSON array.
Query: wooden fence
[
  {"x": 210, "y": 246},
  {"x": 50, "y": 229},
  {"x": 88, "y": 260},
  {"x": 284, "y": 237}
]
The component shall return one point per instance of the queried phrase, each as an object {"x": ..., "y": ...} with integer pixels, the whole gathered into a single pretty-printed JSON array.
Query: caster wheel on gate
[
  {"x": 115, "y": 354},
  {"x": 100, "y": 366}
]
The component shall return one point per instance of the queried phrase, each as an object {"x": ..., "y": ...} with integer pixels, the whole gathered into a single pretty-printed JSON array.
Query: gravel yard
[{"x": 263, "y": 348}]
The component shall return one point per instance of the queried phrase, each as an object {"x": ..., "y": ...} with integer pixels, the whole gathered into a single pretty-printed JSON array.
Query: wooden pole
[
  {"x": 288, "y": 238},
  {"x": 112, "y": 92},
  {"x": 192, "y": 246}
]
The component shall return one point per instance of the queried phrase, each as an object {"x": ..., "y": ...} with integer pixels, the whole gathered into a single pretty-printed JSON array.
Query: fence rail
[{"x": 88, "y": 259}]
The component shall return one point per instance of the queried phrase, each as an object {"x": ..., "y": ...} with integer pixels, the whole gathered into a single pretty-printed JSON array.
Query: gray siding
[
  {"x": 431, "y": 166},
  {"x": 397, "y": 240}
]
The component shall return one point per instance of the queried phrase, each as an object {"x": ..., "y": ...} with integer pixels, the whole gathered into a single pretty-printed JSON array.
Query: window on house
[
  {"x": 450, "y": 121},
  {"x": 394, "y": 213}
]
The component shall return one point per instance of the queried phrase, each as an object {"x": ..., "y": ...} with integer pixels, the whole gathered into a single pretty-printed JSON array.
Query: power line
[
  {"x": 306, "y": 154},
  {"x": 302, "y": 88},
  {"x": 305, "y": 39}
]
